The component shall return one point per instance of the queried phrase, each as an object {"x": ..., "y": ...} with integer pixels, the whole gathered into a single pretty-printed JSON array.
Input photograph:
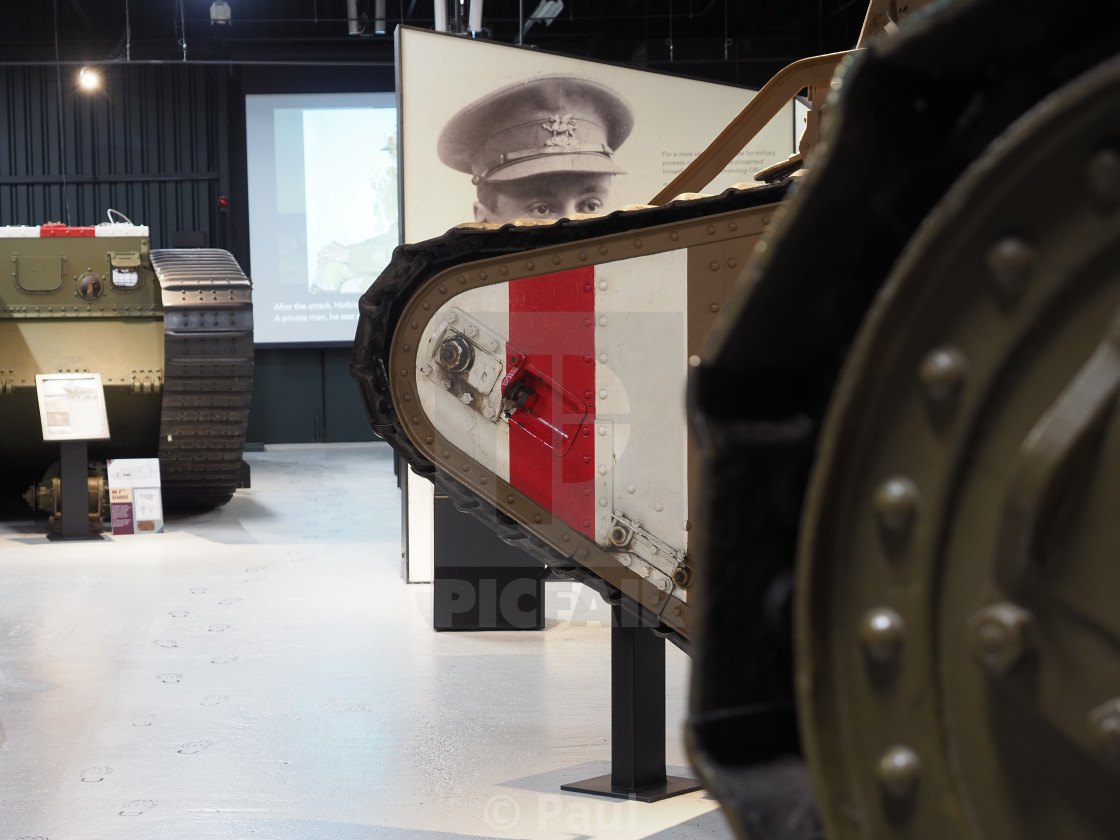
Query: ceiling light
[
  {"x": 219, "y": 12},
  {"x": 89, "y": 79}
]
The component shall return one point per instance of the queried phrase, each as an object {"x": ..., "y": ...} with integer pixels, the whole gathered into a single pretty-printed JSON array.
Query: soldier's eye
[
  {"x": 590, "y": 205},
  {"x": 540, "y": 209}
]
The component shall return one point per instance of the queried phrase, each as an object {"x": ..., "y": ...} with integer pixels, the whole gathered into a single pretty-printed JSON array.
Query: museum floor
[{"x": 261, "y": 671}]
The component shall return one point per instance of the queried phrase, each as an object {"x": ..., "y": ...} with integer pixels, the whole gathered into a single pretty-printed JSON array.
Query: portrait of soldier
[{"x": 543, "y": 148}]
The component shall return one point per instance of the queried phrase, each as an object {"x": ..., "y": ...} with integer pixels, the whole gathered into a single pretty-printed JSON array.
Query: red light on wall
[{"x": 223, "y": 202}]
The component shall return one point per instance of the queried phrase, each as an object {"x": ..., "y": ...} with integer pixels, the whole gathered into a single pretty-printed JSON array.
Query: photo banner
[{"x": 673, "y": 120}]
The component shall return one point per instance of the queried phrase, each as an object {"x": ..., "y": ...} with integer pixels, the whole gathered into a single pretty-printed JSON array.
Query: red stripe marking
[
  {"x": 64, "y": 230},
  {"x": 552, "y": 323}
]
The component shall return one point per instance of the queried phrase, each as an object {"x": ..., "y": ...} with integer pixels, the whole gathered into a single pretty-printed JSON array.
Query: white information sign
[
  {"x": 135, "y": 501},
  {"x": 72, "y": 406}
]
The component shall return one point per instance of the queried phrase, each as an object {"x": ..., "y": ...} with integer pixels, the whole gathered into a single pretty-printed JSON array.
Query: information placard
[
  {"x": 135, "y": 501},
  {"x": 72, "y": 406}
]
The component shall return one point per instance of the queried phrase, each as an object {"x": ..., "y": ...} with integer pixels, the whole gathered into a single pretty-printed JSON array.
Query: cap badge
[{"x": 561, "y": 129}]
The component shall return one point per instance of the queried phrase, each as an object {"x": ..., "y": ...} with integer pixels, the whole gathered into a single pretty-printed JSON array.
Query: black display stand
[
  {"x": 637, "y": 718},
  {"x": 74, "y": 479},
  {"x": 480, "y": 582}
]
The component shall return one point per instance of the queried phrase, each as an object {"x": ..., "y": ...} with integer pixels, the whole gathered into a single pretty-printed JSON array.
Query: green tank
[{"x": 169, "y": 331}]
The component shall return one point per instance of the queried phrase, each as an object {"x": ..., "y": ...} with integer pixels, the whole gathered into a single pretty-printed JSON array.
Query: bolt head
[
  {"x": 899, "y": 772},
  {"x": 1003, "y": 635},
  {"x": 1104, "y": 727},
  {"x": 881, "y": 633}
]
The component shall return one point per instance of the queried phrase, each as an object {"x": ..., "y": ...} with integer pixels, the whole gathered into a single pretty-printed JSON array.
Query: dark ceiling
[{"x": 726, "y": 40}]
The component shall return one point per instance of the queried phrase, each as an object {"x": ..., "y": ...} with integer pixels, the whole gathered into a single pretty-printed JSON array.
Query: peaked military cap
[{"x": 537, "y": 126}]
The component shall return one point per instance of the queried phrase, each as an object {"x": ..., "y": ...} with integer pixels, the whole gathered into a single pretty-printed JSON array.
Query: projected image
[
  {"x": 323, "y": 209},
  {"x": 350, "y": 232}
]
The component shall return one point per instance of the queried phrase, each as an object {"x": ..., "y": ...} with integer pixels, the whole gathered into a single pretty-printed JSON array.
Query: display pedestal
[
  {"x": 637, "y": 718},
  {"x": 480, "y": 582},
  {"x": 74, "y": 479}
]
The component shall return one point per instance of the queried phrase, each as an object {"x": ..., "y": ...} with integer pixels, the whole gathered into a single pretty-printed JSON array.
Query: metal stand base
[
  {"x": 74, "y": 463},
  {"x": 604, "y": 786},
  {"x": 637, "y": 718}
]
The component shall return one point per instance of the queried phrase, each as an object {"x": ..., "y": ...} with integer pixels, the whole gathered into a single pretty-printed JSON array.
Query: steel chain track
[{"x": 208, "y": 375}]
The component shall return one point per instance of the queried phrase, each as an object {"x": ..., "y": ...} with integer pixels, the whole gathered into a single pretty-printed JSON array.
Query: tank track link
[
  {"x": 208, "y": 375},
  {"x": 380, "y": 310}
]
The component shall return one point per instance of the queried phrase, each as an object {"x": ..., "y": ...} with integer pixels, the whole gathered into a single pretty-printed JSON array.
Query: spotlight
[
  {"x": 89, "y": 79},
  {"x": 219, "y": 12}
]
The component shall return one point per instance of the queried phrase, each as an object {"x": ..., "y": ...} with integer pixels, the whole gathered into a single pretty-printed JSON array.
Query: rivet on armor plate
[
  {"x": 942, "y": 374},
  {"x": 602, "y": 285},
  {"x": 407, "y": 397},
  {"x": 711, "y": 229},
  {"x": 509, "y": 499},
  {"x": 602, "y": 249},
  {"x": 1103, "y": 174},
  {"x": 602, "y": 469},
  {"x": 483, "y": 480},
  {"x": 404, "y": 372},
  {"x": 482, "y": 275},
  {"x": 428, "y": 439},
  {"x": 674, "y": 236},
  {"x": 414, "y": 324},
  {"x": 426, "y": 306},
  {"x": 462, "y": 279},
  {"x": 603, "y": 501},
  {"x": 637, "y": 243},
  {"x": 537, "y": 518},
  {"x": 581, "y": 552},
  {"x": 1011, "y": 261},
  {"x": 657, "y": 506},
  {"x": 882, "y": 632},
  {"x": 899, "y": 771},
  {"x": 602, "y": 320},
  {"x": 442, "y": 289},
  {"x": 714, "y": 307},
  {"x": 896, "y": 507},
  {"x": 587, "y": 322},
  {"x": 446, "y": 453},
  {"x": 732, "y": 226},
  {"x": 714, "y": 266},
  {"x": 732, "y": 262},
  {"x": 602, "y": 358},
  {"x": 406, "y": 347},
  {"x": 1002, "y": 636},
  {"x": 694, "y": 361},
  {"x": 556, "y": 260},
  {"x": 504, "y": 269},
  {"x": 588, "y": 288},
  {"x": 766, "y": 219},
  {"x": 602, "y": 393},
  {"x": 530, "y": 265},
  {"x": 583, "y": 255},
  {"x": 686, "y": 525},
  {"x": 1104, "y": 726},
  {"x": 630, "y": 488},
  {"x": 602, "y": 431},
  {"x": 566, "y": 537},
  {"x": 466, "y": 467}
]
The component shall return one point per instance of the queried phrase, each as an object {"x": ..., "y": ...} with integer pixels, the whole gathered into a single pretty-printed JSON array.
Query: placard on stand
[{"x": 72, "y": 412}]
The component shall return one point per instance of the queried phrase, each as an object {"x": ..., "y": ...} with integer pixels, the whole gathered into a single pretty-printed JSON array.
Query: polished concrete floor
[{"x": 262, "y": 672}]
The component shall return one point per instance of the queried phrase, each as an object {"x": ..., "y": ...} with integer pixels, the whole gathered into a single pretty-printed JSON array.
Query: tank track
[
  {"x": 208, "y": 375},
  {"x": 380, "y": 310}
]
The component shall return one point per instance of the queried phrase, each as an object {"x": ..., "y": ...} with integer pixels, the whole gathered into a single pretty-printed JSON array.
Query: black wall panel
[{"x": 152, "y": 143}]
